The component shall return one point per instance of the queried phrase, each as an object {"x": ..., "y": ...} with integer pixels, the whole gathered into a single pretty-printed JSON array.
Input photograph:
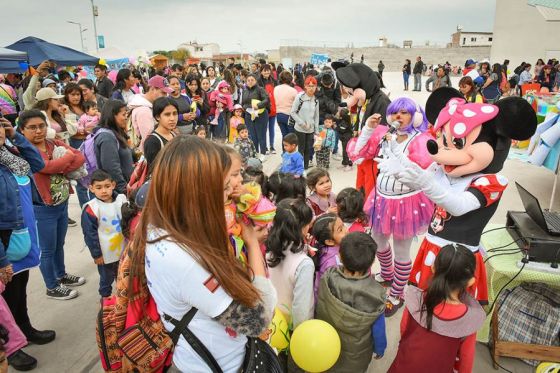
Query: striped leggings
[{"x": 397, "y": 270}]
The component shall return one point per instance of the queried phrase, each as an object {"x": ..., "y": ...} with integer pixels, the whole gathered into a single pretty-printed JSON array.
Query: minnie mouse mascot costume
[{"x": 471, "y": 146}]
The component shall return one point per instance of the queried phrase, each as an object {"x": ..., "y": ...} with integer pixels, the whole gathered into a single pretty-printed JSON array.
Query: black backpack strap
[{"x": 181, "y": 328}]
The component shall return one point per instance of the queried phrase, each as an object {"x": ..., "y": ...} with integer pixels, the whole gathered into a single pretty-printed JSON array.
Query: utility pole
[
  {"x": 81, "y": 32},
  {"x": 95, "y": 14}
]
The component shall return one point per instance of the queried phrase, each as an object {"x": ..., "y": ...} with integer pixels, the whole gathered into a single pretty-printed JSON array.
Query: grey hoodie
[{"x": 307, "y": 118}]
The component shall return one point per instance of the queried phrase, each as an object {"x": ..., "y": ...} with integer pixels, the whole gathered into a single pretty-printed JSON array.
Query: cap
[
  {"x": 470, "y": 61},
  {"x": 46, "y": 82},
  {"x": 46, "y": 94},
  {"x": 237, "y": 107},
  {"x": 160, "y": 82}
]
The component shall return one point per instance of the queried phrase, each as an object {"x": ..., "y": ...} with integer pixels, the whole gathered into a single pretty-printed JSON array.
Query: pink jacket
[
  {"x": 417, "y": 151},
  {"x": 86, "y": 123},
  {"x": 17, "y": 338}
]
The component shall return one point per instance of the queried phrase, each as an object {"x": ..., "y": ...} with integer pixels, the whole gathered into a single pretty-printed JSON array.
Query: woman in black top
[
  {"x": 406, "y": 71},
  {"x": 256, "y": 122},
  {"x": 186, "y": 115},
  {"x": 196, "y": 94},
  {"x": 165, "y": 111}
]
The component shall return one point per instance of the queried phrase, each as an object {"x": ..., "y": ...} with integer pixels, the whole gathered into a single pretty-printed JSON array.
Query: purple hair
[{"x": 405, "y": 103}]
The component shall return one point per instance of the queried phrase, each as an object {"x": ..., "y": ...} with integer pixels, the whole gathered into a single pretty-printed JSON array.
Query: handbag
[
  {"x": 291, "y": 120},
  {"x": 19, "y": 246},
  {"x": 259, "y": 356}
]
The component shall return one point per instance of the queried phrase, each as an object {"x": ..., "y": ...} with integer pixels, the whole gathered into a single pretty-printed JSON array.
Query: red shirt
[{"x": 70, "y": 161}]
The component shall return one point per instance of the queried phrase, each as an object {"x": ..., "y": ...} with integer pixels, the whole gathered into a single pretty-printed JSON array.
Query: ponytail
[{"x": 454, "y": 268}]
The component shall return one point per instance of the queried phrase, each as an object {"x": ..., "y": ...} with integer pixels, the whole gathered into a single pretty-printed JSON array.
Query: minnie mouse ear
[
  {"x": 348, "y": 76},
  {"x": 338, "y": 64},
  {"x": 437, "y": 101},
  {"x": 517, "y": 120}
]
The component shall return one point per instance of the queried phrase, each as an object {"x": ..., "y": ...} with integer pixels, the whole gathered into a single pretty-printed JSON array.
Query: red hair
[{"x": 310, "y": 80}]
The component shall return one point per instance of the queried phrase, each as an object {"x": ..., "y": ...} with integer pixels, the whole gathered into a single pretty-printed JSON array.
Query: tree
[{"x": 180, "y": 54}]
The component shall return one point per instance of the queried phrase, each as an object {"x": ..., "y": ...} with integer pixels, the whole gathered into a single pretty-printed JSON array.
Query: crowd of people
[
  {"x": 483, "y": 81},
  {"x": 136, "y": 151}
]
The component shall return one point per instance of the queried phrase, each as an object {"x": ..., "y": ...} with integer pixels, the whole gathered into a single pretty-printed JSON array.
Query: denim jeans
[
  {"x": 417, "y": 82},
  {"x": 282, "y": 120},
  {"x": 257, "y": 130},
  {"x": 81, "y": 191},
  {"x": 107, "y": 275},
  {"x": 405, "y": 79},
  {"x": 271, "y": 124},
  {"x": 52, "y": 224}
]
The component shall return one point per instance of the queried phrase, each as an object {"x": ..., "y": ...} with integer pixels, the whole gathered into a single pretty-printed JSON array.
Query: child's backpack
[
  {"x": 134, "y": 137},
  {"x": 88, "y": 150},
  {"x": 130, "y": 334}
]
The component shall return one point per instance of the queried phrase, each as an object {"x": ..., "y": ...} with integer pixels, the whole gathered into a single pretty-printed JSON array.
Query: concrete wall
[
  {"x": 393, "y": 58},
  {"x": 522, "y": 34}
]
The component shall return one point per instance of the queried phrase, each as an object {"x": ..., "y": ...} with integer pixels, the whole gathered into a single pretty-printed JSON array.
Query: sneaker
[
  {"x": 347, "y": 168},
  {"x": 72, "y": 223},
  {"x": 341, "y": 167},
  {"x": 272, "y": 151},
  {"x": 382, "y": 281},
  {"x": 337, "y": 156},
  {"x": 61, "y": 292},
  {"x": 71, "y": 280},
  {"x": 21, "y": 361},
  {"x": 392, "y": 306}
]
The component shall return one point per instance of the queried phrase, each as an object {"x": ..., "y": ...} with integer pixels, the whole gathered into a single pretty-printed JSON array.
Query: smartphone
[{"x": 196, "y": 97}]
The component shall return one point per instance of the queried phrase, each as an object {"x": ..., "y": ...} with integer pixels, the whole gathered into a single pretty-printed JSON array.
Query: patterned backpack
[
  {"x": 130, "y": 334},
  {"x": 88, "y": 150}
]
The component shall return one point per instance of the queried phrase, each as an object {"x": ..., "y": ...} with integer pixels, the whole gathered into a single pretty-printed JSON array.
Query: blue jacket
[
  {"x": 292, "y": 163},
  {"x": 11, "y": 216}
]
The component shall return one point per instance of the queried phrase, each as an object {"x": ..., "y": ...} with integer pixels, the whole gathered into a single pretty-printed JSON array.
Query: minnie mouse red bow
[{"x": 464, "y": 117}]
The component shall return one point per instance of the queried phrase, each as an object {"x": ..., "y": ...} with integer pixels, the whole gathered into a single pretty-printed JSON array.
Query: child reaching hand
[
  {"x": 101, "y": 225},
  {"x": 350, "y": 206},
  {"x": 438, "y": 328},
  {"x": 350, "y": 291},
  {"x": 321, "y": 199}
]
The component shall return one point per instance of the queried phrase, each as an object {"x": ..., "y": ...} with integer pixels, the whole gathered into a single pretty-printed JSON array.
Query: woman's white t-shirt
[{"x": 177, "y": 282}]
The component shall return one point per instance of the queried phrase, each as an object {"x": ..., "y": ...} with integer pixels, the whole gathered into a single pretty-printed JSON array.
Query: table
[{"x": 500, "y": 269}]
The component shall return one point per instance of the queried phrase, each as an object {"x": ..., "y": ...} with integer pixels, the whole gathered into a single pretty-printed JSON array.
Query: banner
[{"x": 319, "y": 59}]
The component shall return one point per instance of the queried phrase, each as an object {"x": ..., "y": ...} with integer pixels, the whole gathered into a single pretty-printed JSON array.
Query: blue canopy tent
[
  {"x": 39, "y": 50},
  {"x": 12, "y": 61}
]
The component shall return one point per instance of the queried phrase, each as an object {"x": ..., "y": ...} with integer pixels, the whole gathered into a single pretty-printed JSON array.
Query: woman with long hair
[
  {"x": 187, "y": 115},
  {"x": 111, "y": 144},
  {"x": 52, "y": 216},
  {"x": 165, "y": 112},
  {"x": 196, "y": 94},
  {"x": 88, "y": 92},
  {"x": 48, "y": 102},
  {"x": 184, "y": 256},
  {"x": 469, "y": 91},
  {"x": 123, "y": 87},
  {"x": 491, "y": 87},
  {"x": 406, "y": 71},
  {"x": 211, "y": 74},
  {"x": 74, "y": 100}
]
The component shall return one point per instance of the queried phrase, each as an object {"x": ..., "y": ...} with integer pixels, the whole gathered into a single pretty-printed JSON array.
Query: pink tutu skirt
[{"x": 403, "y": 218}]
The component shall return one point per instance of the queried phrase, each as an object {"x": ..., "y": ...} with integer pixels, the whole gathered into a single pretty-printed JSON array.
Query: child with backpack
[
  {"x": 328, "y": 231},
  {"x": 439, "y": 325},
  {"x": 350, "y": 208},
  {"x": 349, "y": 290},
  {"x": 101, "y": 225}
]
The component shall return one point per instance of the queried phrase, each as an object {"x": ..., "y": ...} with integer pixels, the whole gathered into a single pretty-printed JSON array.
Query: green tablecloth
[{"x": 500, "y": 269}]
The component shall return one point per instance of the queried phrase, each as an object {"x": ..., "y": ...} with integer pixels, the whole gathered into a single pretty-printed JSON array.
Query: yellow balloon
[
  {"x": 102, "y": 61},
  {"x": 279, "y": 334},
  {"x": 315, "y": 346},
  {"x": 548, "y": 368}
]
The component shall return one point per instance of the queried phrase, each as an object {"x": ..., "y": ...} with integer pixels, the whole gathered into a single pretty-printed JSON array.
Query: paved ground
[{"x": 75, "y": 349}]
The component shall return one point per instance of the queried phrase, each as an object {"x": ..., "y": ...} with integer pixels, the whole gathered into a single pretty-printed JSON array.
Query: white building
[
  {"x": 201, "y": 51},
  {"x": 462, "y": 39},
  {"x": 526, "y": 30}
]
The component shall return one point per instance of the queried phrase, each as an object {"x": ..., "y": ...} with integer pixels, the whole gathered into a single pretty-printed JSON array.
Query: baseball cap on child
[{"x": 160, "y": 82}]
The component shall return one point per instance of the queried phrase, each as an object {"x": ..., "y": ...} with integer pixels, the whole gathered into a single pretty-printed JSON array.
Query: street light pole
[
  {"x": 81, "y": 32},
  {"x": 94, "y": 13}
]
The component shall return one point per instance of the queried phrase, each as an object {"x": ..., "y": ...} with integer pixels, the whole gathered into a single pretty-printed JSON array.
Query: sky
[{"x": 245, "y": 25}]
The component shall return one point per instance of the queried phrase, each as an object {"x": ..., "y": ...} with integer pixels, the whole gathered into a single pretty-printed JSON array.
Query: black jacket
[
  {"x": 255, "y": 93},
  {"x": 329, "y": 99},
  {"x": 418, "y": 67},
  {"x": 104, "y": 87}
]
